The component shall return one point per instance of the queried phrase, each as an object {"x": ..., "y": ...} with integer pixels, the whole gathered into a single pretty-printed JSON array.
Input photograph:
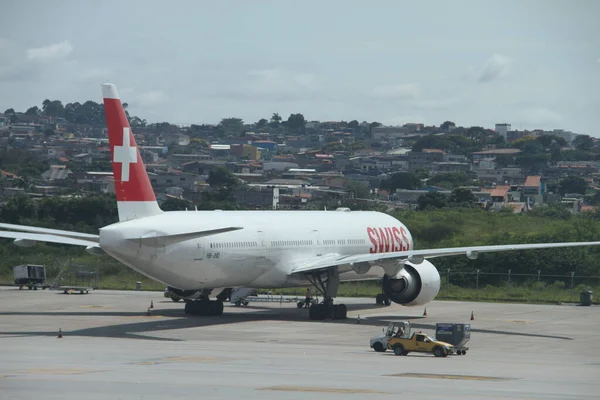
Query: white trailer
[{"x": 32, "y": 276}]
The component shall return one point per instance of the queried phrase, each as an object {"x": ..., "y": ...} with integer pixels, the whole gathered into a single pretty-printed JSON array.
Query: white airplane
[{"x": 199, "y": 254}]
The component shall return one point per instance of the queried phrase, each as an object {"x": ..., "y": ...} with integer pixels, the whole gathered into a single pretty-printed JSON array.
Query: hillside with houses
[{"x": 61, "y": 150}]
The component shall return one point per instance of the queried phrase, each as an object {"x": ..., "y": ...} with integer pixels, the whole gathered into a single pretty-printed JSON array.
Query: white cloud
[
  {"x": 151, "y": 99},
  {"x": 403, "y": 91},
  {"x": 497, "y": 66},
  {"x": 51, "y": 52},
  {"x": 540, "y": 116}
]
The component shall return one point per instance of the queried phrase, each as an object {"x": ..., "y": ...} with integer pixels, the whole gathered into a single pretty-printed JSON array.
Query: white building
[{"x": 502, "y": 129}]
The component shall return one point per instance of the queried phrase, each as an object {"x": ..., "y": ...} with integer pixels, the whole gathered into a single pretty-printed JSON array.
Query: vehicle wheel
[
  {"x": 398, "y": 349},
  {"x": 379, "y": 299},
  {"x": 439, "y": 352},
  {"x": 175, "y": 299},
  {"x": 238, "y": 303},
  {"x": 245, "y": 303},
  {"x": 378, "y": 347},
  {"x": 464, "y": 352},
  {"x": 300, "y": 304}
]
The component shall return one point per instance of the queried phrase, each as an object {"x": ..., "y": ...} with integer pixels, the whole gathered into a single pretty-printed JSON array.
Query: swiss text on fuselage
[{"x": 388, "y": 239}]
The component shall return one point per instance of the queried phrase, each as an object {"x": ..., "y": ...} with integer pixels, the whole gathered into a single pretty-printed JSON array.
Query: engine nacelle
[
  {"x": 24, "y": 242},
  {"x": 414, "y": 285}
]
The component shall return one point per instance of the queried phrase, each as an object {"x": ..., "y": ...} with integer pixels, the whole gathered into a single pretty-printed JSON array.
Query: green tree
[
  {"x": 358, "y": 189},
  {"x": 173, "y": 204},
  {"x": 261, "y": 124},
  {"x": 221, "y": 177},
  {"x": 275, "y": 120},
  {"x": 400, "y": 180},
  {"x": 431, "y": 200},
  {"x": 232, "y": 126},
  {"x": 16, "y": 209},
  {"x": 572, "y": 184},
  {"x": 583, "y": 142},
  {"x": 33, "y": 111},
  {"x": 296, "y": 122},
  {"x": 462, "y": 197}
]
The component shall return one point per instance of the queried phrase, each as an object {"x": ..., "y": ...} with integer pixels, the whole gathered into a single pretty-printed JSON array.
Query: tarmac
[{"x": 112, "y": 349}]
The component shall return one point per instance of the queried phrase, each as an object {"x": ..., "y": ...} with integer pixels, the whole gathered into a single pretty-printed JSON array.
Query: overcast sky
[{"x": 531, "y": 63}]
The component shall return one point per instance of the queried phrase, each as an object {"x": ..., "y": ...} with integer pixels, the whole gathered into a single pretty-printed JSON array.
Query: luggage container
[
  {"x": 456, "y": 334},
  {"x": 32, "y": 276}
]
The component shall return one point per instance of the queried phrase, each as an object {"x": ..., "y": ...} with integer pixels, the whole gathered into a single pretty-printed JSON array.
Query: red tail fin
[{"x": 135, "y": 196}]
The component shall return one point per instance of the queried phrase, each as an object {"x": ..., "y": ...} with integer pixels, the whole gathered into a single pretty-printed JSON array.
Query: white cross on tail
[{"x": 125, "y": 154}]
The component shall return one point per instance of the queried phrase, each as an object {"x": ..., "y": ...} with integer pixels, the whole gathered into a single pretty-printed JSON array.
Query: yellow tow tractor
[{"x": 418, "y": 342}]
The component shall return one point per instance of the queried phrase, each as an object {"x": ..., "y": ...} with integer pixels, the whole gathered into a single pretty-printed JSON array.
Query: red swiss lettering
[
  {"x": 404, "y": 233},
  {"x": 388, "y": 239},
  {"x": 396, "y": 232},
  {"x": 371, "y": 233}
]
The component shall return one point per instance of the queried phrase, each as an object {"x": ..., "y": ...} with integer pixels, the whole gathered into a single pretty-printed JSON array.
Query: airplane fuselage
[{"x": 262, "y": 254}]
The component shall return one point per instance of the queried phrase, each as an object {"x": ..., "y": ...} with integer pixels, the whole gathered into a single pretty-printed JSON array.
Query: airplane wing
[
  {"x": 335, "y": 260},
  {"x": 41, "y": 237},
  {"x": 55, "y": 232}
]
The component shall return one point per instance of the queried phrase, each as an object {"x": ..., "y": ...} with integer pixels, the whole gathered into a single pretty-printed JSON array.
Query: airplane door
[
  {"x": 199, "y": 251},
  {"x": 261, "y": 242},
  {"x": 317, "y": 242}
]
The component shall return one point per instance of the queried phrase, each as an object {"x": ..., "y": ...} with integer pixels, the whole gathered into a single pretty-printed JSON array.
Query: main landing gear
[
  {"x": 203, "y": 306},
  {"x": 327, "y": 283}
]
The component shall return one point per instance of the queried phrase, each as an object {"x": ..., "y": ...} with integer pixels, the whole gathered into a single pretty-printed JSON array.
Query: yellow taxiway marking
[
  {"x": 520, "y": 321},
  {"x": 321, "y": 390},
  {"x": 447, "y": 376},
  {"x": 53, "y": 371},
  {"x": 183, "y": 359}
]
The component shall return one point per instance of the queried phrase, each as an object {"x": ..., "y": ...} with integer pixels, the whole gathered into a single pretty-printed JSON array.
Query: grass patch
[{"x": 539, "y": 293}]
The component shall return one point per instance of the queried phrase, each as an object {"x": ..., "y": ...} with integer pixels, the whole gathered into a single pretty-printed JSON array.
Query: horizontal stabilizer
[
  {"x": 25, "y": 237},
  {"x": 55, "y": 232},
  {"x": 166, "y": 239}
]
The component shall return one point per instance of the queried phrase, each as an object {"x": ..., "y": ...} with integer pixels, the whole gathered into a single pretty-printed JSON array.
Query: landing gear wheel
[
  {"x": 327, "y": 283},
  {"x": 378, "y": 347},
  {"x": 398, "y": 349},
  {"x": 340, "y": 311},
  {"x": 317, "y": 312}
]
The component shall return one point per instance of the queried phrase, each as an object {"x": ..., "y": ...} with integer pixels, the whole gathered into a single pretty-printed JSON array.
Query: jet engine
[{"x": 414, "y": 285}]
